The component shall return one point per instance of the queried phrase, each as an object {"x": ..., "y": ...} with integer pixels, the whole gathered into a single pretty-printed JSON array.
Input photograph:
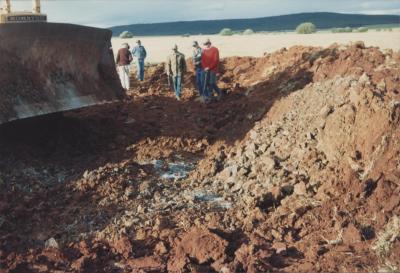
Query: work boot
[{"x": 219, "y": 96}]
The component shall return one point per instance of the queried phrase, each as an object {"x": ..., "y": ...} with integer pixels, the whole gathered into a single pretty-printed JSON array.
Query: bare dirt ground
[
  {"x": 296, "y": 169},
  {"x": 256, "y": 45}
]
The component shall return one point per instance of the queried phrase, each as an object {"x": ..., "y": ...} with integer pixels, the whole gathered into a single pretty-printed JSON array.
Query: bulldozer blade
[{"x": 48, "y": 67}]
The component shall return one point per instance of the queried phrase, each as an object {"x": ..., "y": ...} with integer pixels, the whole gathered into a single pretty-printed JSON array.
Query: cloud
[
  {"x": 213, "y": 7},
  {"x": 104, "y": 13},
  {"x": 382, "y": 11}
]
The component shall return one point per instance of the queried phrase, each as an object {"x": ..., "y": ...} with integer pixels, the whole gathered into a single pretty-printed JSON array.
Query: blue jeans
[
  {"x": 199, "y": 80},
  {"x": 177, "y": 81},
  {"x": 210, "y": 84},
  {"x": 140, "y": 69}
]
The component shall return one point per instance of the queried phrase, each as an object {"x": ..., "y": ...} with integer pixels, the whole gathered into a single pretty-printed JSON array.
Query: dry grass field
[{"x": 256, "y": 45}]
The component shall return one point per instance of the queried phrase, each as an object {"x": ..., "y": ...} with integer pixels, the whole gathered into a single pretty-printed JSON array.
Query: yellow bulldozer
[{"x": 50, "y": 67}]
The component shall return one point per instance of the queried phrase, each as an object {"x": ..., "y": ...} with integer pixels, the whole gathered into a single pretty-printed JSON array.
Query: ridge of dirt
[{"x": 297, "y": 169}]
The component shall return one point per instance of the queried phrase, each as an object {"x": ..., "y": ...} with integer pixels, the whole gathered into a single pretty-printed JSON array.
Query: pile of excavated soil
[{"x": 296, "y": 169}]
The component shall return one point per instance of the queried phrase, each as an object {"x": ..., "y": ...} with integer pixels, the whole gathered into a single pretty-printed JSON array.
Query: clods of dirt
[{"x": 295, "y": 169}]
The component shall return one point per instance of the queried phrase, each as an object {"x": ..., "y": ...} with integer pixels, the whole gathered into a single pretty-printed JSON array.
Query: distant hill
[{"x": 323, "y": 20}]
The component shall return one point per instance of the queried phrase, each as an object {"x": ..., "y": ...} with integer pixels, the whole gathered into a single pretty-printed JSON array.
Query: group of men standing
[
  {"x": 205, "y": 61},
  {"x": 124, "y": 60}
]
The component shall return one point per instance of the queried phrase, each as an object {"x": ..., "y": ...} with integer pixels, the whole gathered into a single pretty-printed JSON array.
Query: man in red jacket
[{"x": 209, "y": 63}]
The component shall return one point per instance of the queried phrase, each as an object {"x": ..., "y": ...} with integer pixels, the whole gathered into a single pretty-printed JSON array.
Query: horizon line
[{"x": 252, "y": 18}]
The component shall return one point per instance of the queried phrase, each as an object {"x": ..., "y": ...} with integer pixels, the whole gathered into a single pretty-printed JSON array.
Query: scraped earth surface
[{"x": 296, "y": 169}]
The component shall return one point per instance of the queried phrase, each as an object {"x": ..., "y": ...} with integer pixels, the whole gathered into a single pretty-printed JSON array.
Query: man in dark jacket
[
  {"x": 197, "y": 52},
  {"x": 140, "y": 53},
  {"x": 124, "y": 59}
]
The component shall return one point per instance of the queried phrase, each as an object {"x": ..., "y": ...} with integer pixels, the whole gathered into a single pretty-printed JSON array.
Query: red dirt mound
[{"x": 296, "y": 169}]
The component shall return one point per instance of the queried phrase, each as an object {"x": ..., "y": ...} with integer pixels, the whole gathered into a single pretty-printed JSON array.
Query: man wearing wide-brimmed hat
[
  {"x": 210, "y": 63},
  {"x": 175, "y": 67}
]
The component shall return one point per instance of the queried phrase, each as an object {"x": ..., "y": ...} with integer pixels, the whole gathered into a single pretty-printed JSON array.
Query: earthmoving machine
[{"x": 50, "y": 67}]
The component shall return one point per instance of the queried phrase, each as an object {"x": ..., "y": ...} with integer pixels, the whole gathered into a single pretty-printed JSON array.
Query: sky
[{"x": 102, "y": 13}]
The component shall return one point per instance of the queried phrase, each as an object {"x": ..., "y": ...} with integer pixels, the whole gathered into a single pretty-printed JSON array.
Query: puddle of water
[
  {"x": 206, "y": 197},
  {"x": 173, "y": 170},
  {"x": 215, "y": 200}
]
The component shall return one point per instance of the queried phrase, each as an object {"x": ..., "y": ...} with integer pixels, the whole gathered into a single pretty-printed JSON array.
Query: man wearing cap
[
  {"x": 175, "y": 67},
  {"x": 124, "y": 59},
  {"x": 197, "y": 52},
  {"x": 209, "y": 63},
  {"x": 140, "y": 53}
]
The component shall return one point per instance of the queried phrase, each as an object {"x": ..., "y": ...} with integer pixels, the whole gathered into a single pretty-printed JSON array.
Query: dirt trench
[{"x": 296, "y": 169}]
